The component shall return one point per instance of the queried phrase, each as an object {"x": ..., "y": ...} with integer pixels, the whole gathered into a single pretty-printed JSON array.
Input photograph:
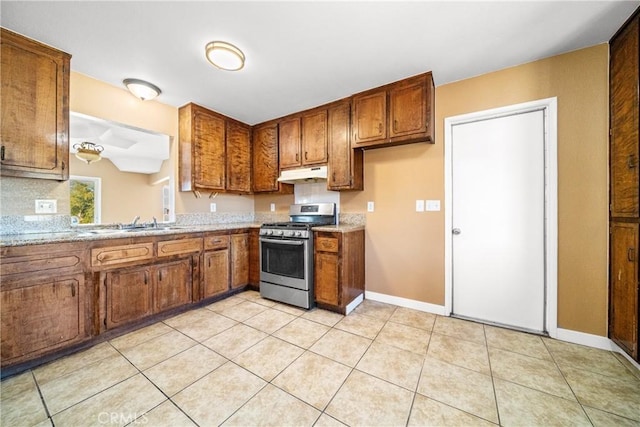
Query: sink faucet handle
[
  {"x": 155, "y": 222},
  {"x": 135, "y": 220}
]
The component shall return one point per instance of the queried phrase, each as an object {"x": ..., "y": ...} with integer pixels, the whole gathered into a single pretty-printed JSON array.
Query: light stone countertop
[{"x": 82, "y": 234}]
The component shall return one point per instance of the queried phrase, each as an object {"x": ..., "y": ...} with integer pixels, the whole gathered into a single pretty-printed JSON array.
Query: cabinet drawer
[
  {"x": 178, "y": 247},
  {"x": 113, "y": 255},
  {"x": 216, "y": 242},
  {"x": 327, "y": 244},
  {"x": 40, "y": 264}
]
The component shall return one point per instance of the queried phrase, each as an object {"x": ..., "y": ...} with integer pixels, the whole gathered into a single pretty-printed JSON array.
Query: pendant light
[
  {"x": 141, "y": 89},
  {"x": 224, "y": 55},
  {"x": 88, "y": 152}
]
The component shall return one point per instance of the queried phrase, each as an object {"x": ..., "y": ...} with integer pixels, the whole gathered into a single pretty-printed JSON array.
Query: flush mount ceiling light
[
  {"x": 141, "y": 89},
  {"x": 224, "y": 55},
  {"x": 88, "y": 152}
]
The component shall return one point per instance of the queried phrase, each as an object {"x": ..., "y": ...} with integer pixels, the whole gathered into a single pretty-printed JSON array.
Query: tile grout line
[{"x": 493, "y": 382}]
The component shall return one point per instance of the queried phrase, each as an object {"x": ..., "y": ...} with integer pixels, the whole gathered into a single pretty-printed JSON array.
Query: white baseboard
[
  {"x": 353, "y": 304},
  {"x": 568, "y": 335},
  {"x": 405, "y": 302}
]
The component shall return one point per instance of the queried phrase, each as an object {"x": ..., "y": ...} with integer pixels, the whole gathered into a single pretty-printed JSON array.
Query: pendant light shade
[
  {"x": 224, "y": 56},
  {"x": 88, "y": 152},
  {"x": 141, "y": 89}
]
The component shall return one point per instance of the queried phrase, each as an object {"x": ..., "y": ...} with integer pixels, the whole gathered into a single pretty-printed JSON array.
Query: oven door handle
[{"x": 284, "y": 242}]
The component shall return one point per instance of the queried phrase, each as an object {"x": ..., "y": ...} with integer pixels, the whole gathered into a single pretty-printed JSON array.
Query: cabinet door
[
  {"x": 209, "y": 151},
  {"x": 407, "y": 107},
  {"x": 128, "y": 295},
  {"x": 172, "y": 285},
  {"x": 624, "y": 123},
  {"x": 623, "y": 322},
  {"x": 35, "y": 109},
  {"x": 369, "y": 117},
  {"x": 239, "y": 260},
  {"x": 265, "y": 158},
  {"x": 216, "y": 272},
  {"x": 314, "y": 138},
  {"x": 238, "y": 157},
  {"x": 289, "y": 140},
  {"x": 42, "y": 316},
  {"x": 345, "y": 165},
  {"x": 327, "y": 274}
]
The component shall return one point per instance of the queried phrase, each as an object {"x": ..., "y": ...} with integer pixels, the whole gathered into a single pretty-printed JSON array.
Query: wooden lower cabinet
[
  {"x": 42, "y": 316},
  {"x": 623, "y": 298},
  {"x": 135, "y": 293},
  {"x": 254, "y": 257},
  {"x": 338, "y": 268},
  {"x": 172, "y": 285},
  {"x": 215, "y": 269},
  {"x": 239, "y": 260},
  {"x": 129, "y": 295}
]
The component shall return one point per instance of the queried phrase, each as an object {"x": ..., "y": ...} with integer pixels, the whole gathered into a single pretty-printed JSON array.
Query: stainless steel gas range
[{"x": 286, "y": 254}]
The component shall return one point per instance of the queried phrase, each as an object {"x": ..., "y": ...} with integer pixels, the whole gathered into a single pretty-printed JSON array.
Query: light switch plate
[
  {"x": 46, "y": 206},
  {"x": 370, "y": 207},
  {"x": 273, "y": 207},
  {"x": 213, "y": 207},
  {"x": 433, "y": 205},
  {"x": 419, "y": 205}
]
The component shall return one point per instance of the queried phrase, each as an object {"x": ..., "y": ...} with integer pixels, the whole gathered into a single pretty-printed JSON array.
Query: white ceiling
[{"x": 303, "y": 54}]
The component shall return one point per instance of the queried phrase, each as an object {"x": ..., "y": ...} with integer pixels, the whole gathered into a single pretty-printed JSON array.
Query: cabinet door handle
[
  {"x": 305, "y": 155},
  {"x": 631, "y": 162},
  {"x": 160, "y": 275},
  {"x": 380, "y": 127},
  {"x": 297, "y": 157},
  {"x": 395, "y": 126},
  {"x": 2, "y": 153},
  {"x": 631, "y": 254},
  {"x": 73, "y": 290},
  {"x": 145, "y": 278},
  {"x": 209, "y": 262}
]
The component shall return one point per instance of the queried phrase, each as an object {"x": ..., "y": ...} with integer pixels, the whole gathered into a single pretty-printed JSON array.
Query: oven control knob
[
  {"x": 298, "y": 233},
  {"x": 269, "y": 232},
  {"x": 288, "y": 233},
  {"x": 279, "y": 233}
]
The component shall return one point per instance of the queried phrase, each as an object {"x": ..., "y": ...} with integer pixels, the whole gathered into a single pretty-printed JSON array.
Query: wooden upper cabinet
[
  {"x": 314, "y": 137},
  {"x": 35, "y": 109},
  {"x": 238, "y": 157},
  {"x": 399, "y": 113},
  {"x": 624, "y": 116},
  {"x": 265, "y": 160},
  {"x": 369, "y": 117},
  {"x": 345, "y": 165},
  {"x": 202, "y": 151},
  {"x": 289, "y": 137}
]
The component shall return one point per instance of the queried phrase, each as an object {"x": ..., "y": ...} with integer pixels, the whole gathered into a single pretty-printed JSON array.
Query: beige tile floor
[{"x": 247, "y": 361}]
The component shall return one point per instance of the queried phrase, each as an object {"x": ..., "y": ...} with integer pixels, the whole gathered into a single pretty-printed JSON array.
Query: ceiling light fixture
[
  {"x": 88, "y": 152},
  {"x": 224, "y": 55},
  {"x": 141, "y": 89}
]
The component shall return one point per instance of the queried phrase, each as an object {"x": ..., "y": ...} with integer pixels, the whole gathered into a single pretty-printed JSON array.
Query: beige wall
[
  {"x": 405, "y": 249},
  {"x": 124, "y": 195}
]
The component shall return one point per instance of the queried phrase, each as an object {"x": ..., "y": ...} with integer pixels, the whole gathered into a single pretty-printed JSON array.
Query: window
[{"x": 85, "y": 199}]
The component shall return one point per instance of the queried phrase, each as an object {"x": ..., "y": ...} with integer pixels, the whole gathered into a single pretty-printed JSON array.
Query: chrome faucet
[{"x": 135, "y": 221}]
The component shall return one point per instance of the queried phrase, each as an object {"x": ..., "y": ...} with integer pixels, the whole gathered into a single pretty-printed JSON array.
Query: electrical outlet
[
  {"x": 419, "y": 205},
  {"x": 370, "y": 207},
  {"x": 433, "y": 205},
  {"x": 46, "y": 206},
  {"x": 273, "y": 207},
  {"x": 213, "y": 207}
]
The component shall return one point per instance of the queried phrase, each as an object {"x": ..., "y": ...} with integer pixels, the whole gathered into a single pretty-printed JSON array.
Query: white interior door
[{"x": 498, "y": 206}]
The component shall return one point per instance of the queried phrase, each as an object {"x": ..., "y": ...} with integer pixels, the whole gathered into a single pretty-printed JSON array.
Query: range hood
[{"x": 297, "y": 176}]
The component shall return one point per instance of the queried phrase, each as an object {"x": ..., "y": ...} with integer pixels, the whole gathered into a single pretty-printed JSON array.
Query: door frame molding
[{"x": 550, "y": 108}]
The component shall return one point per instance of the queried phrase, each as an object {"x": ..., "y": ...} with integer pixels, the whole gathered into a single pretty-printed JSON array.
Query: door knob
[{"x": 456, "y": 231}]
